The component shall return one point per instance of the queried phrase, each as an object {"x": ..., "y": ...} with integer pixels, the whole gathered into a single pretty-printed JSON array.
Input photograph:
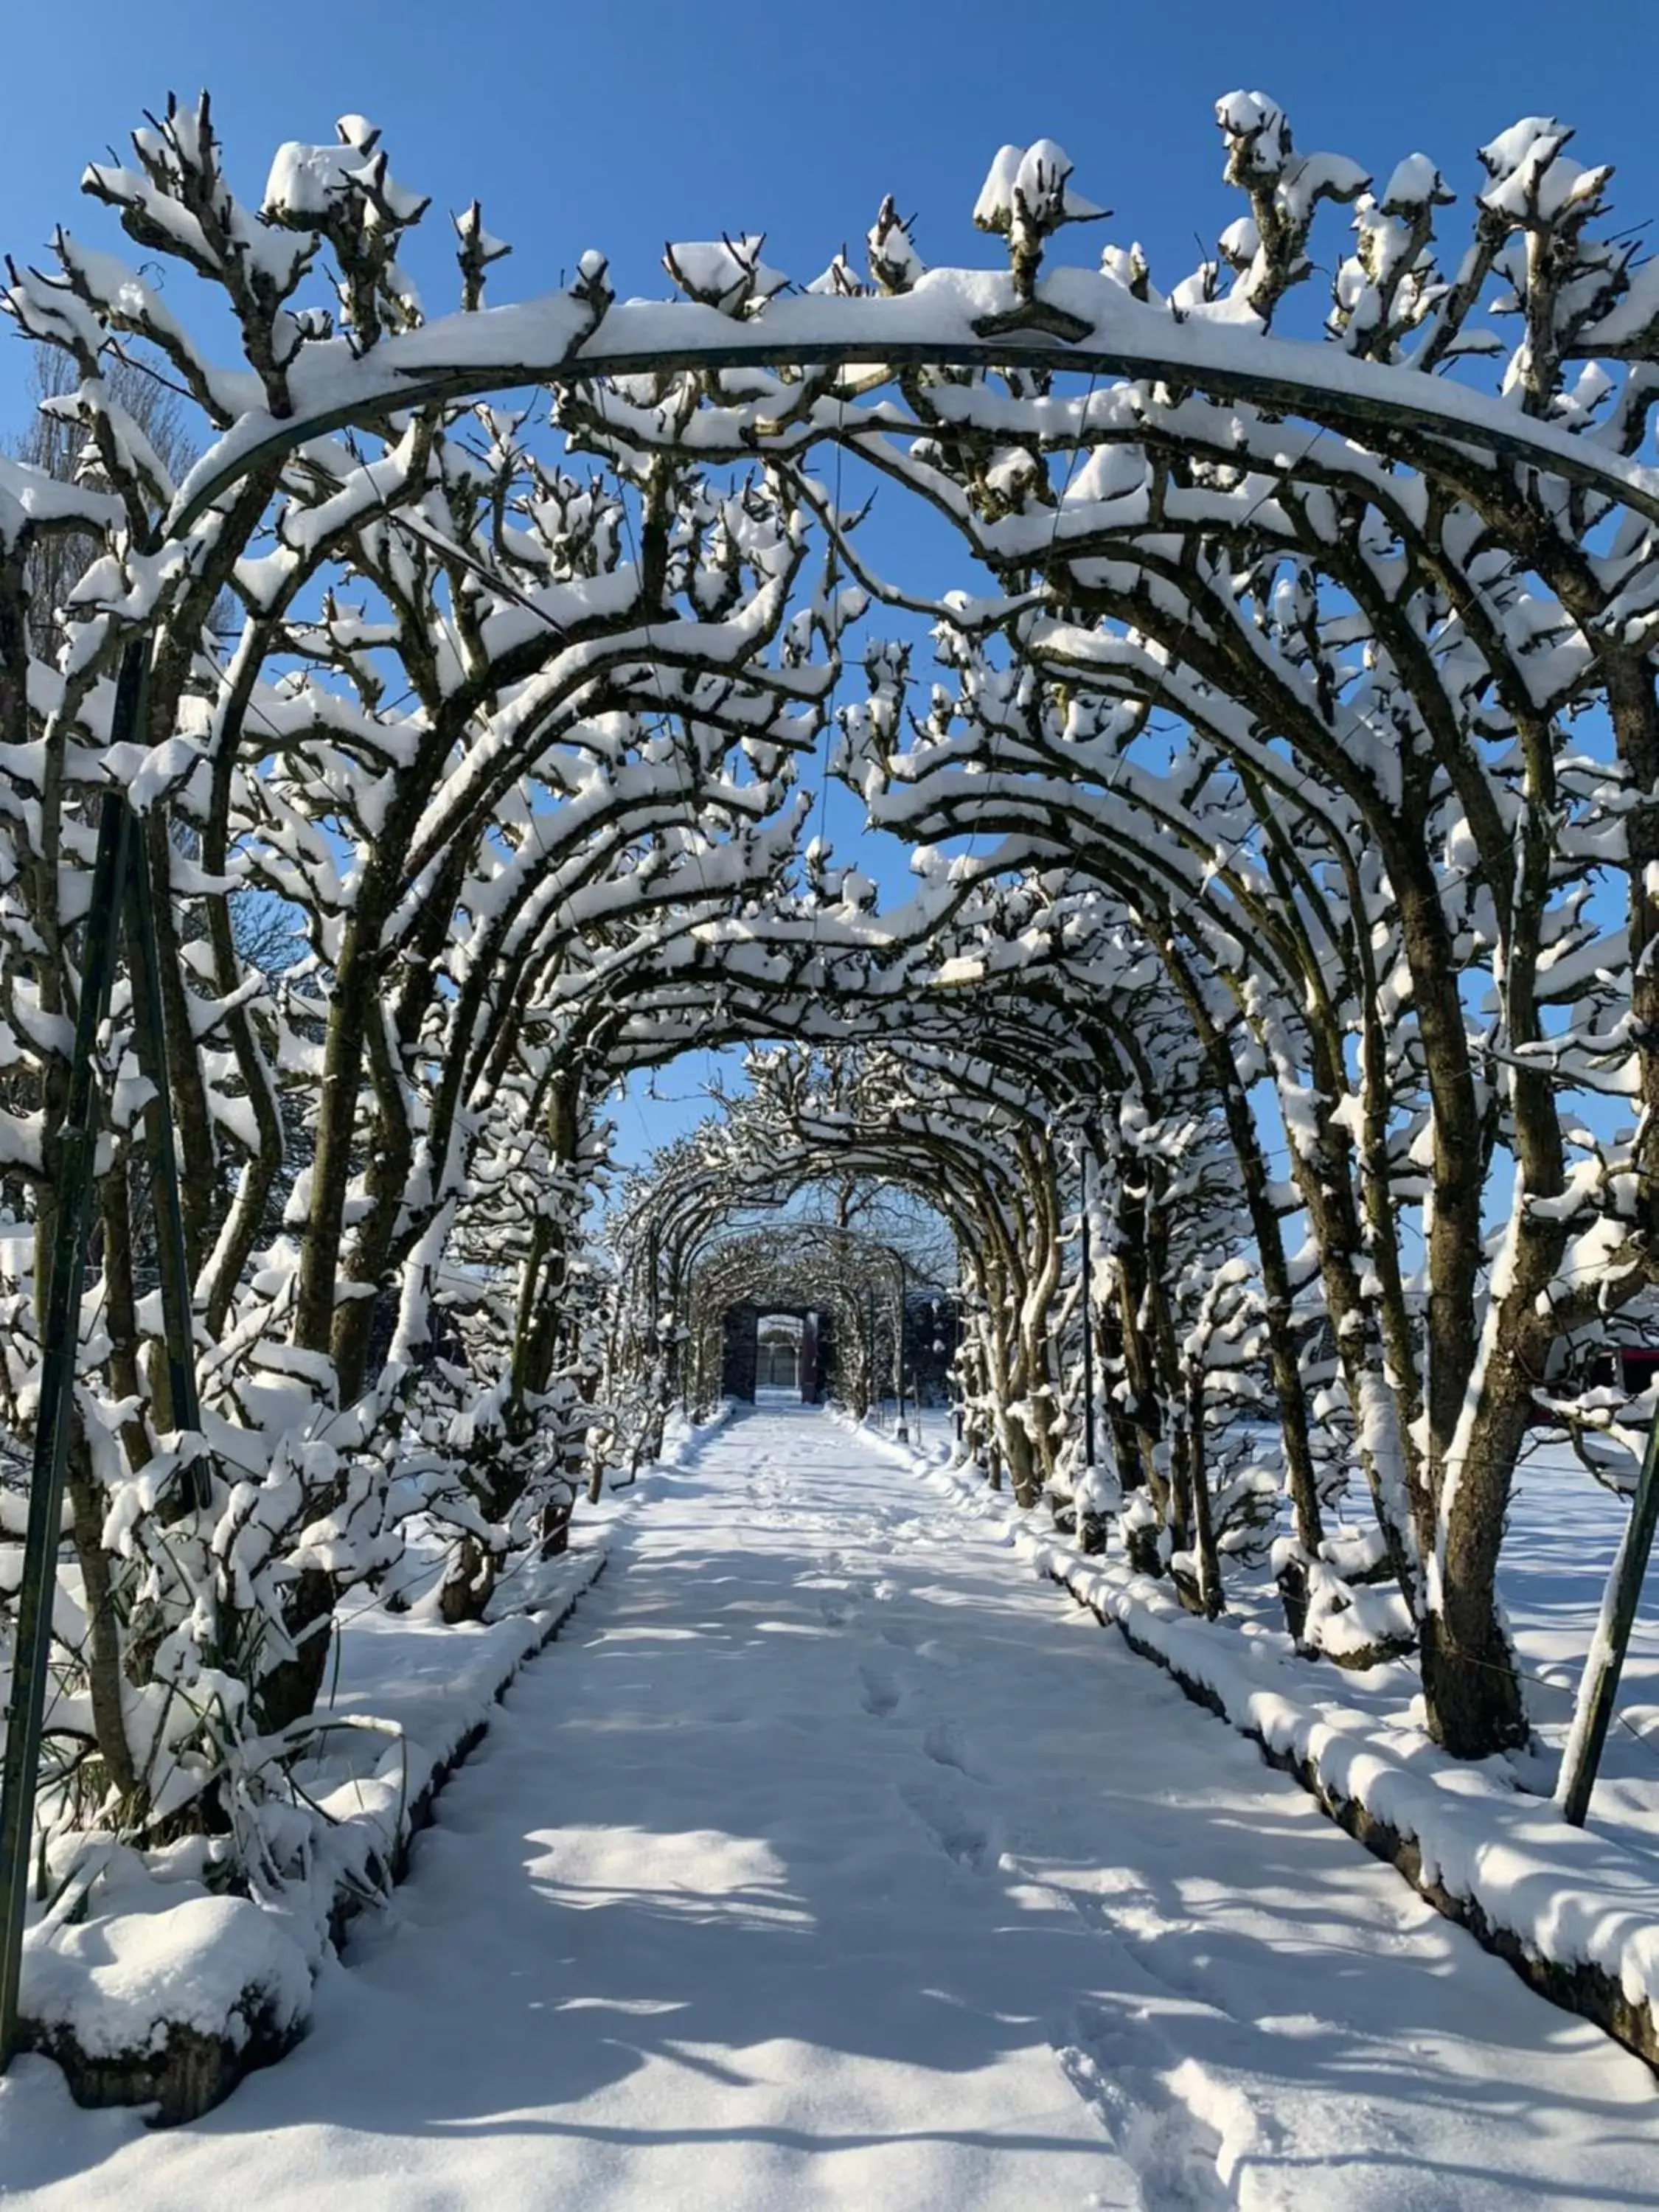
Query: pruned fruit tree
[{"x": 1279, "y": 762}]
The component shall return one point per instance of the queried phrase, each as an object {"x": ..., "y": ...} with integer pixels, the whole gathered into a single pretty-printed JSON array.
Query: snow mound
[{"x": 120, "y": 1984}]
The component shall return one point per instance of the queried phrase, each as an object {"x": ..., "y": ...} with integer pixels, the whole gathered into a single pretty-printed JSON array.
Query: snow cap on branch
[
  {"x": 1531, "y": 180},
  {"x": 1415, "y": 183},
  {"x": 307, "y": 182},
  {"x": 894, "y": 262},
  {"x": 1031, "y": 183},
  {"x": 724, "y": 273}
]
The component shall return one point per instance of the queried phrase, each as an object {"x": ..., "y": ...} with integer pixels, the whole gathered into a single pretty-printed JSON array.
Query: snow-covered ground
[
  {"x": 826, "y": 1863},
  {"x": 1563, "y": 1533}
]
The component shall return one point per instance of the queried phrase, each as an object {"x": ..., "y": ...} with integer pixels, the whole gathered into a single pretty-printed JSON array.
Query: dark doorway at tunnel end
[{"x": 745, "y": 1365}]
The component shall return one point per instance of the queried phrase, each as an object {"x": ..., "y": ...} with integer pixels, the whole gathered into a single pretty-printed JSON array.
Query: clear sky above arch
[
  {"x": 620, "y": 125},
  {"x": 625, "y": 122}
]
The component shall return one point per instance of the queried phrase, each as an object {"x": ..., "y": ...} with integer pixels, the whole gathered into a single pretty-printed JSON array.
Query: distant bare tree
[{"x": 56, "y": 441}]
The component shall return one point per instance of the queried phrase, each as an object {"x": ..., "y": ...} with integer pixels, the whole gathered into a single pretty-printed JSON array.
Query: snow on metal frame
[
  {"x": 959, "y": 318},
  {"x": 944, "y": 320}
]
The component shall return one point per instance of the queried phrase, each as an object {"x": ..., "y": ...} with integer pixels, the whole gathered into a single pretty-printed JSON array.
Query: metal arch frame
[{"x": 1296, "y": 376}]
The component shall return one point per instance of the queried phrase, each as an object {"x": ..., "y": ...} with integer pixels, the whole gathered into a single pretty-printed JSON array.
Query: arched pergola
[{"x": 1068, "y": 321}]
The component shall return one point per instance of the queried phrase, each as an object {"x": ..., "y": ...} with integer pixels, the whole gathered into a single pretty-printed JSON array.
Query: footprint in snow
[
  {"x": 945, "y": 1746},
  {"x": 910, "y": 1640},
  {"x": 860, "y": 1590},
  {"x": 1172, "y": 2122},
  {"x": 882, "y": 1693},
  {"x": 1161, "y": 1949},
  {"x": 960, "y": 1832}
]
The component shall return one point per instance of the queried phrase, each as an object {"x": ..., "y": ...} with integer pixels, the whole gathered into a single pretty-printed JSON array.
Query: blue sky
[
  {"x": 621, "y": 124},
  {"x": 627, "y": 123}
]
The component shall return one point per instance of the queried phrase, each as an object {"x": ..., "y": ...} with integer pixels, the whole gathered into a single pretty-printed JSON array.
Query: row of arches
[{"x": 1277, "y": 737}]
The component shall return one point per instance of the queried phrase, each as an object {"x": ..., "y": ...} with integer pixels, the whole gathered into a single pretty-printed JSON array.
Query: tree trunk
[{"x": 288, "y": 1693}]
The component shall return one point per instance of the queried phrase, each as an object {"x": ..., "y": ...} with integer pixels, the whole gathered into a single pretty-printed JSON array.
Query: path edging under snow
[
  {"x": 242, "y": 1982},
  {"x": 184, "y": 2067},
  {"x": 1576, "y": 1916}
]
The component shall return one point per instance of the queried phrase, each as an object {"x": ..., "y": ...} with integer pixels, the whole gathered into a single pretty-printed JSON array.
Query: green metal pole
[
  {"x": 1593, "y": 1716},
  {"x": 149, "y": 1035},
  {"x": 1088, "y": 1326},
  {"x": 901, "y": 1430},
  {"x": 75, "y": 1171}
]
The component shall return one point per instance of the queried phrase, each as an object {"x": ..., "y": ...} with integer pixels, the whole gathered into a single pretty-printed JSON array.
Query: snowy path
[{"x": 828, "y": 1863}]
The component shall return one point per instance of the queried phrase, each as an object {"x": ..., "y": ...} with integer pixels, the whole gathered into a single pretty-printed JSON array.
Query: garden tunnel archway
[
  {"x": 1027, "y": 326},
  {"x": 850, "y": 1294}
]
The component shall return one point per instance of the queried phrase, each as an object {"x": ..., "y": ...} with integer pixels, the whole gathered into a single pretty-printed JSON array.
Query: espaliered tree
[
  {"x": 1042, "y": 989},
  {"x": 485, "y": 717},
  {"x": 1267, "y": 975},
  {"x": 940, "y": 1118},
  {"x": 1378, "y": 629},
  {"x": 1302, "y": 687}
]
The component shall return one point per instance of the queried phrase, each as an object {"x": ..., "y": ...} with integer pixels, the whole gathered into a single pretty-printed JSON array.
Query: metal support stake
[
  {"x": 149, "y": 1035},
  {"x": 1088, "y": 1331},
  {"x": 900, "y": 1431},
  {"x": 1599, "y": 1688},
  {"x": 74, "y": 1177},
  {"x": 957, "y": 1382}
]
